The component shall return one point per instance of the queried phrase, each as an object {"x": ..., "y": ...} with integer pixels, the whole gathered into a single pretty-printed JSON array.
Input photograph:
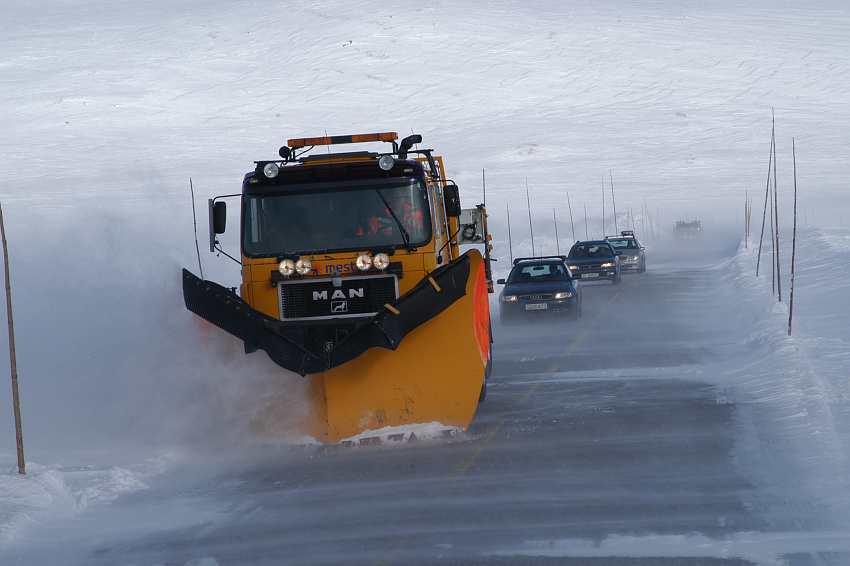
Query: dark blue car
[
  {"x": 538, "y": 286},
  {"x": 594, "y": 260}
]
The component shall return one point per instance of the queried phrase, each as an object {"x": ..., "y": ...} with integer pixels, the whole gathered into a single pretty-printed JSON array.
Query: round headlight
[
  {"x": 270, "y": 170},
  {"x": 286, "y": 267},
  {"x": 381, "y": 261},
  {"x": 386, "y": 162},
  {"x": 364, "y": 262},
  {"x": 303, "y": 266}
]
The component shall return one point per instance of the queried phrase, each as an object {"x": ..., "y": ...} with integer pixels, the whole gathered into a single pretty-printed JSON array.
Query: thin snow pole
[
  {"x": 603, "y": 206},
  {"x": 613, "y": 203},
  {"x": 530, "y": 225},
  {"x": 764, "y": 212},
  {"x": 773, "y": 250},
  {"x": 13, "y": 361},
  {"x": 557, "y": 241},
  {"x": 510, "y": 244},
  {"x": 484, "y": 187},
  {"x": 572, "y": 224},
  {"x": 195, "y": 225},
  {"x": 586, "y": 235},
  {"x": 776, "y": 222},
  {"x": 793, "y": 239}
]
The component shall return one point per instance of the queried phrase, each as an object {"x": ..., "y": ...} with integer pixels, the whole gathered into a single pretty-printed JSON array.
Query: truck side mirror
[
  {"x": 217, "y": 220},
  {"x": 500, "y": 281},
  {"x": 219, "y": 213},
  {"x": 451, "y": 197}
]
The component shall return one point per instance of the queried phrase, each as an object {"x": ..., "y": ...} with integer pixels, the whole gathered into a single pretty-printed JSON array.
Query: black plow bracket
[{"x": 288, "y": 343}]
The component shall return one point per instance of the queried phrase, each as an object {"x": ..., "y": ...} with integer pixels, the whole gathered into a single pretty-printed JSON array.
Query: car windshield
[
  {"x": 590, "y": 250},
  {"x": 354, "y": 216},
  {"x": 623, "y": 243},
  {"x": 538, "y": 272}
]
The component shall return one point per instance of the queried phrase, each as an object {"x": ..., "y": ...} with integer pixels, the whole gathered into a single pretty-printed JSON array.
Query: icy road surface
[{"x": 611, "y": 441}]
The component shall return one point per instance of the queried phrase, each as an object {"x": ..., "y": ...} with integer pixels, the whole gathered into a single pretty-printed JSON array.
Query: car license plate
[
  {"x": 589, "y": 275},
  {"x": 536, "y": 307}
]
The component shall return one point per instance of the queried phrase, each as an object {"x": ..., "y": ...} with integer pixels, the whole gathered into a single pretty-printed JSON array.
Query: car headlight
[
  {"x": 303, "y": 266},
  {"x": 572, "y": 267},
  {"x": 364, "y": 262},
  {"x": 608, "y": 264},
  {"x": 381, "y": 261},
  {"x": 286, "y": 267},
  {"x": 630, "y": 258},
  {"x": 270, "y": 170},
  {"x": 509, "y": 298},
  {"x": 563, "y": 294}
]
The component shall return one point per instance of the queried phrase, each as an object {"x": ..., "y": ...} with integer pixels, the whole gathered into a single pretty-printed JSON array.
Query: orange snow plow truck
[{"x": 353, "y": 276}]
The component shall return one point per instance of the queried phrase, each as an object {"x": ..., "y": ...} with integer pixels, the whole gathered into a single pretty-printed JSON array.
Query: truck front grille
[{"x": 336, "y": 297}]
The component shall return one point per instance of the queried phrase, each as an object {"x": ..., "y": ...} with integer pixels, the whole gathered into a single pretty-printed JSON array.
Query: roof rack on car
[{"x": 561, "y": 257}]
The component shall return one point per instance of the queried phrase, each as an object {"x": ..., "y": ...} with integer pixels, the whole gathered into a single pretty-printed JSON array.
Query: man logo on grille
[
  {"x": 338, "y": 307},
  {"x": 339, "y": 294}
]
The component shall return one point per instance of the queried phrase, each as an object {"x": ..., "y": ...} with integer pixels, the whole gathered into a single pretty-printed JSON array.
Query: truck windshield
[{"x": 357, "y": 216}]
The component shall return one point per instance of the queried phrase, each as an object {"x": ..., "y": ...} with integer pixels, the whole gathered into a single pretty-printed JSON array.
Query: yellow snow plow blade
[{"x": 435, "y": 375}]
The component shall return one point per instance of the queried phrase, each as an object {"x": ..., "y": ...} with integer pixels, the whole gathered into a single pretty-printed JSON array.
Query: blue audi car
[
  {"x": 595, "y": 259},
  {"x": 539, "y": 286}
]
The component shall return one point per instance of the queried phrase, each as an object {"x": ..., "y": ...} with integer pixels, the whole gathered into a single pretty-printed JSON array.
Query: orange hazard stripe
[{"x": 333, "y": 140}]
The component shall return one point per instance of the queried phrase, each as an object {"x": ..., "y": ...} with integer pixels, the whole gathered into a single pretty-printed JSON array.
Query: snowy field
[{"x": 677, "y": 425}]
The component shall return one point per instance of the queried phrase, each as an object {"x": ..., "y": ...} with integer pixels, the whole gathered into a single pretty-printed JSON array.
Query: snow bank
[
  {"x": 59, "y": 492},
  {"x": 800, "y": 435}
]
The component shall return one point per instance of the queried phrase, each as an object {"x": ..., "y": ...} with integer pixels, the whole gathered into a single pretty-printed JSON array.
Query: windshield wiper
[{"x": 404, "y": 234}]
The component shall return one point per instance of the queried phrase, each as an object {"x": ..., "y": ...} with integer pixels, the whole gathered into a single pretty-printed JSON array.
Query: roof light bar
[{"x": 333, "y": 140}]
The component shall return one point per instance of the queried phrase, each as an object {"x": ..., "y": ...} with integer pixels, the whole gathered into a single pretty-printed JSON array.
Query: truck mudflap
[{"x": 289, "y": 345}]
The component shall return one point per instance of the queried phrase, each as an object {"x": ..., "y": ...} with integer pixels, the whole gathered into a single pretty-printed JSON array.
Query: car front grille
[
  {"x": 336, "y": 297},
  {"x": 539, "y": 297}
]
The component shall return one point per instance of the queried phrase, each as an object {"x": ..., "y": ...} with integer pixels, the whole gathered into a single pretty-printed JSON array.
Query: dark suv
[
  {"x": 595, "y": 259},
  {"x": 539, "y": 285}
]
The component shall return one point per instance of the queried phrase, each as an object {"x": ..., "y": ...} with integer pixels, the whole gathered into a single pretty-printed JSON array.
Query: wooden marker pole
[
  {"x": 530, "y": 224},
  {"x": 13, "y": 363},
  {"x": 510, "y": 243},
  {"x": 776, "y": 222},
  {"x": 586, "y": 236},
  {"x": 793, "y": 239},
  {"x": 613, "y": 205},
  {"x": 557, "y": 239},
  {"x": 572, "y": 224},
  {"x": 764, "y": 212}
]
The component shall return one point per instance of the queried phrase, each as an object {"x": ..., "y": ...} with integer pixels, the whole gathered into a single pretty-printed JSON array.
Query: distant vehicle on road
[
  {"x": 632, "y": 253},
  {"x": 539, "y": 285},
  {"x": 690, "y": 229},
  {"x": 594, "y": 259}
]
